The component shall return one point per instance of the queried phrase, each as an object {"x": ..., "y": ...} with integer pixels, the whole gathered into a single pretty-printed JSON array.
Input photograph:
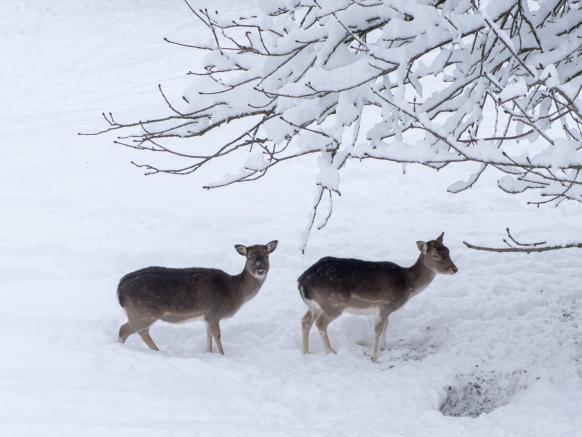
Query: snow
[
  {"x": 328, "y": 176},
  {"x": 255, "y": 161},
  {"x": 77, "y": 215},
  {"x": 513, "y": 90},
  {"x": 563, "y": 154}
]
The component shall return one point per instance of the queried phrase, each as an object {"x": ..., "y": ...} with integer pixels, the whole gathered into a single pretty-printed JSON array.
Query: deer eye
[{"x": 436, "y": 256}]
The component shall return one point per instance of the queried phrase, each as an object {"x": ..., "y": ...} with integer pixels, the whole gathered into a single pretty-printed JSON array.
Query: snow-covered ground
[{"x": 504, "y": 332}]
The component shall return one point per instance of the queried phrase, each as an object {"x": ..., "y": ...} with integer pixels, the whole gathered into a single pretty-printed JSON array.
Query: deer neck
[
  {"x": 419, "y": 276},
  {"x": 246, "y": 285}
]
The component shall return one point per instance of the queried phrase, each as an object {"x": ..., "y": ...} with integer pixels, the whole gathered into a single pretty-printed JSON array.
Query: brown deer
[
  {"x": 334, "y": 285},
  {"x": 182, "y": 295}
]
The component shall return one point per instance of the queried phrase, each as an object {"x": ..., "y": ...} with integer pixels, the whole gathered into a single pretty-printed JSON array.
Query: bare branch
[{"x": 524, "y": 249}]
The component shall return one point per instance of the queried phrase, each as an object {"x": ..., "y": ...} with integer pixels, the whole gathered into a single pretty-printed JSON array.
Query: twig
[{"x": 523, "y": 249}]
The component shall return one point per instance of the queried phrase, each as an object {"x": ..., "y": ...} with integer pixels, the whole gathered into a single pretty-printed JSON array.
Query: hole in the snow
[{"x": 481, "y": 392}]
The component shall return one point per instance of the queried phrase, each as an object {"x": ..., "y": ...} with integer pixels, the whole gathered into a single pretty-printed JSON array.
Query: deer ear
[
  {"x": 422, "y": 246},
  {"x": 272, "y": 245},
  {"x": 440, "y": 237},
  {"x": 241, "y": 249}
]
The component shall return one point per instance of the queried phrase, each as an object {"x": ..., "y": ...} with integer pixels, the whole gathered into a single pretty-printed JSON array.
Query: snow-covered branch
[{"x": 438, "y": 82}]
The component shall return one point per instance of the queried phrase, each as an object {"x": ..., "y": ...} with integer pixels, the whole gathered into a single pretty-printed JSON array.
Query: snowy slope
[{"x": 76, "y": 216}]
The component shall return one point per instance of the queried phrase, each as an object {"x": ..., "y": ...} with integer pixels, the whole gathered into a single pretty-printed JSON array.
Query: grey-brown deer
[
  {"x": 182, "y": 295},
  {"x": 334, "y": 285}
]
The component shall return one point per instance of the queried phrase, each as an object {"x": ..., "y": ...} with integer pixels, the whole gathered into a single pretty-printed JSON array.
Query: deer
[
  {"x": 177, "y": 295},
  {"x": 333, "y": 286}
]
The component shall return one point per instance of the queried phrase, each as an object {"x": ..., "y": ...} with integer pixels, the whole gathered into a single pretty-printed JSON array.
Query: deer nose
[{"x": 453, "y": 270}]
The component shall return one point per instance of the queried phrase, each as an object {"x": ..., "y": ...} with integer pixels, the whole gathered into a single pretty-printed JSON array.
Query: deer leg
[
  {"x": 381, "y": 324},
  {"x": 322, "y": 322},
  {"x": 306, "y": 324},
  {"x": 146, "y": 337},
  {"x": 214, "y": 329},
  {"x": 208, "y": 339},
  {"x": 383, "y": 337},
  {"x": 125, "y": 331},
  {"x": 139, "y": 325}
]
